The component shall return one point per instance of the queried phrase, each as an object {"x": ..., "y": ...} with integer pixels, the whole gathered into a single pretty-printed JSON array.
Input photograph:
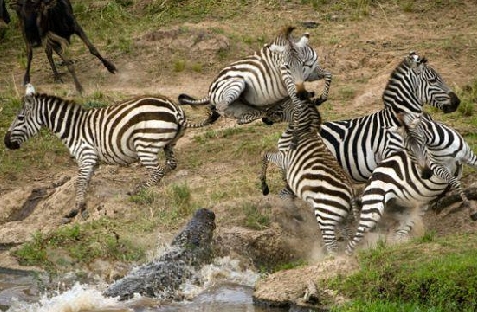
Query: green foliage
[
  {"x": 179, "y": 66},
  {"x": 81, "y": 242},
  {"x": 255, "y": 217},
  {"x": 290, "y": 265},
  {"x": 382, "y": 306},
  {"x": 468, "y": 96},
  {"x": 143, "y": 197},
  {"x": 440, "y": 274},
  {"x": 178, "y": 204}
]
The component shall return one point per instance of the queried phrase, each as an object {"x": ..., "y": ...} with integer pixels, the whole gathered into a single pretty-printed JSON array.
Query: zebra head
[
  {"x": 429, "y": 86},
  {"x": 25, "y": 125},
  {"x": 309, "y": 116},
  {"x": 301, "y": 58},
  {"x": 413, "y": 132}
]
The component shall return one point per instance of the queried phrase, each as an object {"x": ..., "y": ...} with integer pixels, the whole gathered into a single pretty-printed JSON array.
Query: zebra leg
[
  {"x": 85, "y": 172},
  {"x": 328, "y": 228},
  {"x": 277, "y": 158},
  {"x": 171, "y": 161},
  {"x": 263, "y": 175},
  {"x": 406, "y": 226},
  {"x": 454, "y": 182},
  {"x": 327, "y": 76},
  {"x": 286, "y": 192},
  {"x": 369, "y": 217}
]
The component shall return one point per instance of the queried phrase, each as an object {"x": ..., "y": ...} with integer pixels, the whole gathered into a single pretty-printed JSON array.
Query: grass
[
  {"x": 413, "y": 274},
  {"x": 74, "y": 244}
]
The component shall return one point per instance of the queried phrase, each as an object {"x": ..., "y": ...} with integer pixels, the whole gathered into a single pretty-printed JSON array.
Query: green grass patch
[
  {"x": 78, "y": 243},
  {"x": 256, "y": 217},
  {"x": 440, "y": 275}
]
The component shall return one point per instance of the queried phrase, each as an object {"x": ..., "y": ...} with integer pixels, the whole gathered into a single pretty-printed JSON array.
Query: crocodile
[{"x": 190, "y": 249}]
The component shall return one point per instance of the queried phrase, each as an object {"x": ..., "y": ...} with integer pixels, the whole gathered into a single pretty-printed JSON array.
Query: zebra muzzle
[
  {"x": 455, "y": 102},
  {"x": 8, "y": 142}
]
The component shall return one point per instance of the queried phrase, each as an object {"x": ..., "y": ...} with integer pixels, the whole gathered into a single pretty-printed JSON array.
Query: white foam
[
  {"x": 221, "y": 270},
  {"x": 78, "y": 298}
]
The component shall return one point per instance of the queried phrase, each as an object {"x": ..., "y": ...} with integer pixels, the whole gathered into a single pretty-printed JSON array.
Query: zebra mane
[
  {"x": 282, "y": 41},
  {"x": 53, "y": 98},
  {"x": 409, "y": 62}
]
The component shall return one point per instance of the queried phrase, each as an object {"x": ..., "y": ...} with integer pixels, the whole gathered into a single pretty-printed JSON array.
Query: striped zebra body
[
  {"x": 360, "y": 144},
  {"x": 400, "y": 180},
  {"x": 124, "y": 133},
  {"x": 245, "y": 89},
  {"x": 314, "y": 176}
]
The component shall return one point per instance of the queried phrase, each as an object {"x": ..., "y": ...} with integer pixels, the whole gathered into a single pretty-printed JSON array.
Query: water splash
[
  {"x": 221, "y": 271},
  {"x": 78, "y": 298},
  {"x": 219, "y": 276}
]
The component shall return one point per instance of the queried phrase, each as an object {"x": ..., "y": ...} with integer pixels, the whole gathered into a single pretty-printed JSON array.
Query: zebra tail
[
  {"x": 212, "y": 118},
  {"x": 185, "y": 99}
]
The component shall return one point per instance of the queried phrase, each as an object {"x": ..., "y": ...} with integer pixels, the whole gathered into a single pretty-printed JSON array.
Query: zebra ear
[
  {"x": 282, "y": 41},
  {"x": 29, "y": 89},
  {"x": 416, "y": 62},
  {"x": 303, "y": 42}
]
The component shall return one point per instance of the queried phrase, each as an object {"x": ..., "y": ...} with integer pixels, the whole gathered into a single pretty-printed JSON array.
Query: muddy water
[{"x": 226, "y": 287}]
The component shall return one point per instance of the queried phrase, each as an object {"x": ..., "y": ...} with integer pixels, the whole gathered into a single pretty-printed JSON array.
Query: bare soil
[{"x": 360, "y": 52}]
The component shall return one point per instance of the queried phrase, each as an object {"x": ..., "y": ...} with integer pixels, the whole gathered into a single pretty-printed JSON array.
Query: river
[{"x": 227, "y": 286}]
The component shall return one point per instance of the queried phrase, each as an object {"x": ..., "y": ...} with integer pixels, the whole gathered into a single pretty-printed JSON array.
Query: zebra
[
  {"x": 360, "y": 144},
  {"x": 245, "y": 88},
  {"x": 136, "y": 129},
  {"x": 401, "y": 179},
  {"x": 313, "y": 174}
]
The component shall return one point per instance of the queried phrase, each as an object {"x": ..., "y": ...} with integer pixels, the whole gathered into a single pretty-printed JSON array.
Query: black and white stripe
[
  {"x": 124, "y": 133},
  {"x": 360, "y": 144},
  {"x": 246, "y": 88},
  {"x": 313, "y": 174},
  {"x": 400, "y": 180}
]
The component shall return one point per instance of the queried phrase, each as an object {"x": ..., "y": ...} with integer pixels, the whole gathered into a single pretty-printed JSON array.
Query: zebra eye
[
  {"x": 21, "y": 117},
  {"x": 432, "y": 80}
]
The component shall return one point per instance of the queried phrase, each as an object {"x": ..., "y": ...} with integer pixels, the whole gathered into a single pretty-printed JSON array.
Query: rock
[{"x": 297, "y": 287}]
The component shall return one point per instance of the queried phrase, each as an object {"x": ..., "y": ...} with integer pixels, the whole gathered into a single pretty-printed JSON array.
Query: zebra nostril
[
  {"x": 8, "y": 142},
  {"x": 455, "y": 102}
]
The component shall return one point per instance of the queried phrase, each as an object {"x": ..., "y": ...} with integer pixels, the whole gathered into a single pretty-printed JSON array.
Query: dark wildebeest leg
[
  {"x": 29, "y": 52},
  {"x": 59, "y": 50},
  {"x": 79, "y": 31},
  {"x": 49, "y": 55}
]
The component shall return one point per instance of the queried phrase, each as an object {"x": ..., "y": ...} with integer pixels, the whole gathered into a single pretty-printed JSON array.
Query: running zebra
[
  {"x": 136, "y": 129},
  {"x": 313, "y": 174},
  {"x": 244, "y": 89},
  {"x": 360, "y": 144},
  {"x": 401, "y": 179}
]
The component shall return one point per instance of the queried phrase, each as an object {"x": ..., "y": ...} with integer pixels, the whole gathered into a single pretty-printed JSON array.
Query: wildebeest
[
  {"x": 51, "y": 23},
  {"x": 4, "y": 16}
]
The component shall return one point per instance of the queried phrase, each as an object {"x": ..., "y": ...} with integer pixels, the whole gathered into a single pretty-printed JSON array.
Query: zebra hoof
[
  {"x": 214, "y": 116},
  {"x": 66, "y": 220},
  {"x": 319, "y": 101},
  {"x": 265, "y": 190},
  {"x": 267, "y": 121},
  {"x": 71, "y": 214},
  {"x": 85, "y": 215},
  {"x": 473, "y": 217}
]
